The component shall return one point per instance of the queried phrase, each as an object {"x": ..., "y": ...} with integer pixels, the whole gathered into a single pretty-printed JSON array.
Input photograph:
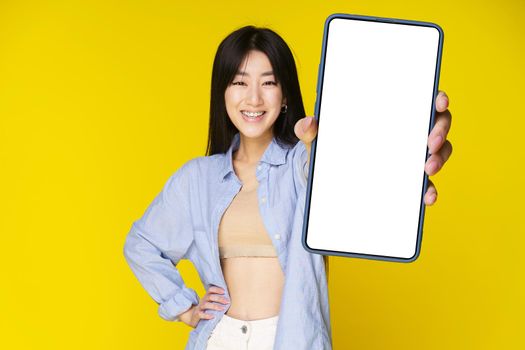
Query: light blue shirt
[{"x": 182, "y": 223}]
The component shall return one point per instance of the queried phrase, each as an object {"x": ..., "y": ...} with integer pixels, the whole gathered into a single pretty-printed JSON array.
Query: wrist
[{"x": 187, "y": 315}]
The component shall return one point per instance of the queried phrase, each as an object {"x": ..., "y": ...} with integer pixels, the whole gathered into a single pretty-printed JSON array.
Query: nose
[{"x": 254, "y": 96}]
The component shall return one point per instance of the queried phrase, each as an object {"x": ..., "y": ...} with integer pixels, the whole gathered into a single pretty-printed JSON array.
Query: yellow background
[{"x": 101, "y": 101}]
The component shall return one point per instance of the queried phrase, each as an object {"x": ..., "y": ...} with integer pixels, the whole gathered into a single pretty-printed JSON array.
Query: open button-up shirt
[{"x": 182, "y": 223}]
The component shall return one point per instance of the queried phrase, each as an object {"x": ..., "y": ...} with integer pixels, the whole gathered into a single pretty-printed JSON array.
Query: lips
[{"x": 253, "y": 116}]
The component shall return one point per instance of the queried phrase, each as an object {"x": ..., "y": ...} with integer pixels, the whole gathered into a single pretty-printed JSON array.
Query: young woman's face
[{"x": 254, "y": 98}]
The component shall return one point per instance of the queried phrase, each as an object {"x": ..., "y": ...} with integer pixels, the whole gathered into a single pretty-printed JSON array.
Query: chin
[{"x": 254, "y": 133}]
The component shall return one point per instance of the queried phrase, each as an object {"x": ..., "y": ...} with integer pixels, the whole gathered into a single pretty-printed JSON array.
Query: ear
[{"x": 284, "y": 101}]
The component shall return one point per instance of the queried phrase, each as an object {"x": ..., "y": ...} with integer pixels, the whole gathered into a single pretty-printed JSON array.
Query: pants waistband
[{"x": 235, "y": 322}]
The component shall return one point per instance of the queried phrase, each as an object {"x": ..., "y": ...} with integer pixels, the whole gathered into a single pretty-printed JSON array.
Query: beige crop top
[{"x": 241, "y": 230}]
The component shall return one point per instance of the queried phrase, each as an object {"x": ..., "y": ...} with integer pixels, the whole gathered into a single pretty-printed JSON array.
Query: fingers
[
  {"x": 204, "y": 315},
  {"x": 214, "y": 289},
  {"x": 218, "y": 298},
  {"x": 436, "y": 161},
  {"x": 212, "y": 306},
  {"x": 443, "y": 120},
  {"x": 439, "y": 132},
  {"x": 306, "y": 129},
  {"x": 208, "y": 302},
  {"x": 438, "y": 145},
  {"x": 442, "y": 101},
  {"x": 431, "y": 194}
]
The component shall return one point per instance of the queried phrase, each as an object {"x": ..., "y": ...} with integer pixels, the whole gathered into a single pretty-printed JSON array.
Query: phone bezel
[{"x": 311, "y": 170}]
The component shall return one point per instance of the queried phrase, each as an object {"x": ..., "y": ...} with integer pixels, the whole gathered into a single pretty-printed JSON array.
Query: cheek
[
  {"x": 231, "y": 102},
  {"x": 232, "y": 97},
  {"x": 274, "y": 98}
]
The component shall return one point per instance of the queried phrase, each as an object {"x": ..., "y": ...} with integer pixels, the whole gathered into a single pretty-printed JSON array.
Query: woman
[{"x": 237, "y": 213}]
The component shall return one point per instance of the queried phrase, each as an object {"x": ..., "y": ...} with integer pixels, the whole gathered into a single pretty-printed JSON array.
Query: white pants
[{"x": 234, "y": 334}]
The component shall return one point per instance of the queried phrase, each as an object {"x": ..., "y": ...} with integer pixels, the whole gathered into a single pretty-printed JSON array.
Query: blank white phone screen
[{"x": 374, "y": 117}]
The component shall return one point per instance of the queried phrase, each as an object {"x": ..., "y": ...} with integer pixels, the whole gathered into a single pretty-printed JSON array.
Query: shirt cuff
[{"x": 171, "y": 309}]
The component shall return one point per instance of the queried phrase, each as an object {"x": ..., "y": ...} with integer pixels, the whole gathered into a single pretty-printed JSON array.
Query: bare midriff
[
  {"x": 255, "y": 283},
  {"x": 255, "y": 286}
]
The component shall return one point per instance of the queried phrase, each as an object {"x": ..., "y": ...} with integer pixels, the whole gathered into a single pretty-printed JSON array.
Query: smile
[{"x": 252, "y": 116}]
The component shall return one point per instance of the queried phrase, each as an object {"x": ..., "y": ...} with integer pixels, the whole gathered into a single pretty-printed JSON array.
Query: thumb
[
  {"x": 306, "y": 129},
  {"x": 306, "y": 123}
]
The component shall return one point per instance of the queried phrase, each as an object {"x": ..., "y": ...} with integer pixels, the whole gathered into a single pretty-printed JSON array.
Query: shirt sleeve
[
  {"x": 156, "y": 243},
  {"x": 300, "y": 165}
]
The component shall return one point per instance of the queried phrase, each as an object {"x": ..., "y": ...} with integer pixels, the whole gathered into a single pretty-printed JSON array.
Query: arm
[
  {"x": 156, "y": 242},
  {"x": 306, "y": 130}
]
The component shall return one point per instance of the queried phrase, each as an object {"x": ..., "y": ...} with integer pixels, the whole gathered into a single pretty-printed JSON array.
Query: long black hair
[{"x": 230, "y": 54}]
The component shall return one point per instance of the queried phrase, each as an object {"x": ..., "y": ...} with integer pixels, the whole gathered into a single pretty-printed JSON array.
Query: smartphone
[{"x": 376, "y": 91}]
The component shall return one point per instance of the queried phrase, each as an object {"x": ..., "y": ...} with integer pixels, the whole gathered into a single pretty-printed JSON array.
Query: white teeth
[{"x": 252, "y": 114}]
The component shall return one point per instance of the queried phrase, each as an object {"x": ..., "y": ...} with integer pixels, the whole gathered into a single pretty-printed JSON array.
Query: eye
[
  {"x": 270, "y": 83},
  {"x": 238, "y": 83}
]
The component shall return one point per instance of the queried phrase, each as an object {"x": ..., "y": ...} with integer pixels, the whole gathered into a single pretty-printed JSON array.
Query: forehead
[{"x": 255, "y": 62}]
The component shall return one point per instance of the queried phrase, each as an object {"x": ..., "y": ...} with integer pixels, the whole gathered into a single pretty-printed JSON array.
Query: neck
[{"x": 251, "y": 150}]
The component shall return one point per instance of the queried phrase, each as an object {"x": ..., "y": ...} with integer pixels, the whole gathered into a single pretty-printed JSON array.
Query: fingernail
[
  {"x": 432, "y": 198},
  {"x": 306, "y": 124}
]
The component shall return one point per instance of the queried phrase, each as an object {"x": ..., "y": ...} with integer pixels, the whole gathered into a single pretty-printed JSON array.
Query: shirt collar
[{"x": 275, "y": 154}]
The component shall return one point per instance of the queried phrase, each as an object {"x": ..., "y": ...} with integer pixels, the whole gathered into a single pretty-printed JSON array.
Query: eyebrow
[{"x": 263, "y": 74}]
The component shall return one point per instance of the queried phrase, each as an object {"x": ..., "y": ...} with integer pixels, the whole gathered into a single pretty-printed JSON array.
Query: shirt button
[
  {"x": 244, "y": 329},
  {"x": 263, "y": 200},
  {"x": 259, "y": 167},
  {"x": 277, "y": 236}
]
